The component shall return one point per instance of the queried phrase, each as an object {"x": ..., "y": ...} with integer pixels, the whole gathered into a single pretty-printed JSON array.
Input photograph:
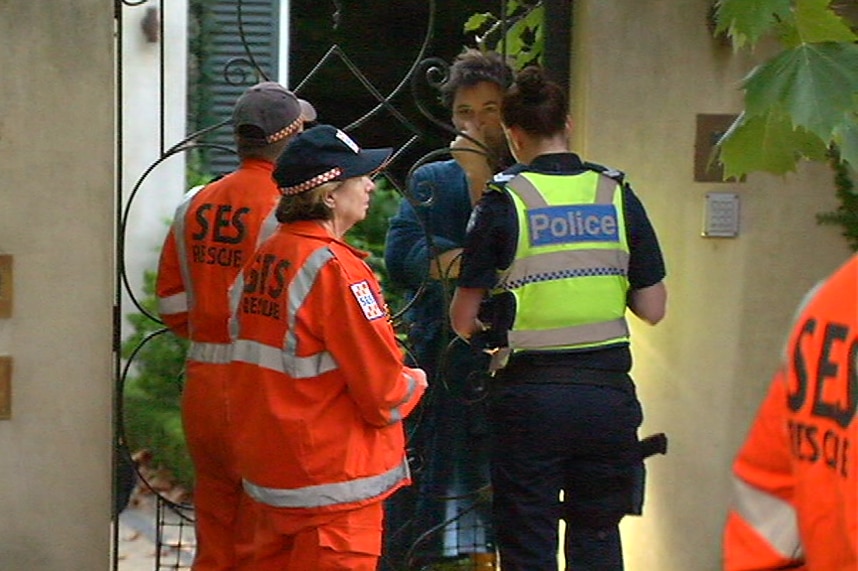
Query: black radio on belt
[{"x": 496, "y": 312}]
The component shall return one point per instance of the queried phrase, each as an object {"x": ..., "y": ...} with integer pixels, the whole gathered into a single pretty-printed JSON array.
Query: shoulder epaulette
[
  {"x": 615, "y": 174},
  {"x": 498, "y": 181}
]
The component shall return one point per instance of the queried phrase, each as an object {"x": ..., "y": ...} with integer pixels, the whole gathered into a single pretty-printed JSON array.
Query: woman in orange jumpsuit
[{"x": 320, "y": 388}]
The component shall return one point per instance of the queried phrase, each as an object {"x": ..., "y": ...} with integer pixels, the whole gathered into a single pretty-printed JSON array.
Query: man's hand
[{"x": 473, "y": 158}]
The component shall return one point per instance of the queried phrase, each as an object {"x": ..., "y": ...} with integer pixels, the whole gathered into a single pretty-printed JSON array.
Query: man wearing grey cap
[{"x": 214, "y": 232}]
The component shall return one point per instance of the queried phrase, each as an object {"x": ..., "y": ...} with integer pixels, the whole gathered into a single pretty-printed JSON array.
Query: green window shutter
[{"x": 260, "y": 22}]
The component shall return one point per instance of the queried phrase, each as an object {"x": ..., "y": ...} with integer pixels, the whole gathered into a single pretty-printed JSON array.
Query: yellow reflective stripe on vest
[
  {"x": 571, "y": 246},
  {"x": 770, "y": 516},
  {"x": 285, "y": 359},
  {"x": 212, "y": 353},
  {"x": 323, "y": 495}
]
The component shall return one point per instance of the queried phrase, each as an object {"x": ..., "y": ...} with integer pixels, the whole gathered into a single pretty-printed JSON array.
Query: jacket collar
[
  {"x": 312, "y": 229},
  {"x": 257, "y": 164}
]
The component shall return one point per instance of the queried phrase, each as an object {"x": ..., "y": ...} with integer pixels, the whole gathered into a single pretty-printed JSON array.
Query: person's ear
[
  {"x": 512, "y": 138},
  {"x": 329, "y": 200}
]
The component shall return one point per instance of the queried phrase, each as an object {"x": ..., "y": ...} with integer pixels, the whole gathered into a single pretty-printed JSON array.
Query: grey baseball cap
[{"x": 268, "y": 112}]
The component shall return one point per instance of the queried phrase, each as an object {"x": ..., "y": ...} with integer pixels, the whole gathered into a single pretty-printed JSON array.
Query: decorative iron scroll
[{"x": 420, "y": 82}]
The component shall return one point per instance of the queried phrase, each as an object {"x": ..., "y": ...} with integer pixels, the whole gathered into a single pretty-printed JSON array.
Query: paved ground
[
  {"x": 136, "y": 551},
  {"x": 137, "y": 536}
]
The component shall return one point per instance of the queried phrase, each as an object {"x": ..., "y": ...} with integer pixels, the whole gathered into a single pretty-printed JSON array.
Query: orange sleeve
[
  {"x": 362, "y": 342},
  {"x": 170, "y": 288},
  {"x": 764, "y": 492}
]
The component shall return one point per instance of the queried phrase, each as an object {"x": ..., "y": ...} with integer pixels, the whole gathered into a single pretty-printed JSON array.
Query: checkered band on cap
[
  {"x": 285, "y": 131},
  {"x": 312, "y": 183}
]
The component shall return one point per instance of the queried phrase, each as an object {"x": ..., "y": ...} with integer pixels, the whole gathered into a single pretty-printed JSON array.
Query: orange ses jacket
[
  {"x": 796, "y": 476},
  {"x": 319, "y": 388},
  {"x": 214, "y": 232}
]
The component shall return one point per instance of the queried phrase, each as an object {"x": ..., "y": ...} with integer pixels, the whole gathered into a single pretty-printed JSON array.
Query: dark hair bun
[{"x": 531, "y": 84}]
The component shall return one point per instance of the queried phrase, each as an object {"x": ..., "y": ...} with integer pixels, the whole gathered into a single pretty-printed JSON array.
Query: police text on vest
[{"x": 573, "y": 223}]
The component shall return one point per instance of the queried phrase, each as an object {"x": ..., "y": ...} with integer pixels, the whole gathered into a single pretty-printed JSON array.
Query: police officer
[
  {"x": 795, "y": 502},
  {"x": 562, "y": 248}
]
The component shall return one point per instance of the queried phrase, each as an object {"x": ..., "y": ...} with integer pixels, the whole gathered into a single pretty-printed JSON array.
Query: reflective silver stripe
[
  {"x": 528, "y": 193},
  {"x": 533, "y": 198},
  {"x": 285, "y": 359},
  {"x": 213, "y": 353},
  {"x": 269, "y": 226},
  {"x": 173, "y": 304},
  {"x": 323, "y": 495},
  {"x": 563, "y": 336},
  {"x": 568, "y": 263},
  {"x": 235, "y": 291},
  {"x": 773, "y": 518},
  {"x": 605, "y": 189},
  {"x": 396, "y": 412},
  {"x": 299, "y": 289},
  {"x": 269, "y": 357},
  {"x": 181, "y": 246},
  {"x": 574, "y": 263},
  {"x": 805, "y": 301}
]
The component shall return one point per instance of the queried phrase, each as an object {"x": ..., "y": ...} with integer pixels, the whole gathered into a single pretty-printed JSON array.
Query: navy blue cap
[{"x": 322, "y": 154}]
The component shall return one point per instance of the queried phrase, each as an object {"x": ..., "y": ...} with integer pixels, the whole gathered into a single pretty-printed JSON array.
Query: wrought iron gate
[{"x": 408, "y": 103}]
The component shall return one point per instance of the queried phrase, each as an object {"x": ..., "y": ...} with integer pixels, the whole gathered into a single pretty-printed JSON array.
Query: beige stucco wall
[
  {"x": 641, "y": 75},
  {"x": 642, "y": 71},
  {"x": 56, "y": 219},
  {"x": 153, "y": 121}
]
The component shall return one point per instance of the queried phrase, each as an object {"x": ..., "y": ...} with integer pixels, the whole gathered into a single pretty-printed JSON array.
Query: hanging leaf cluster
[
  {"x": 803, "y": 101},
  {"x": 520, "y": 35}
]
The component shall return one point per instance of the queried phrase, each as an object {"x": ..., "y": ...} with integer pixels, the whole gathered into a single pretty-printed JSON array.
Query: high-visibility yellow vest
[{"x": 569, "y": 276}]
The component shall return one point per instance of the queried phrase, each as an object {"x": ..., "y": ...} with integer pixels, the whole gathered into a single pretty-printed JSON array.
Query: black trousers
[{"x": 572, "y": 436}]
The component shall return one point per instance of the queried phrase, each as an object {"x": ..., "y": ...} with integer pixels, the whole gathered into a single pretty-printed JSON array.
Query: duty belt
[{"x": 535, "y": 369}]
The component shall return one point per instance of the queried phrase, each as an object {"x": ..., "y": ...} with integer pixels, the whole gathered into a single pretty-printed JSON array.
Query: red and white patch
[{"x": 366, "y": 299}]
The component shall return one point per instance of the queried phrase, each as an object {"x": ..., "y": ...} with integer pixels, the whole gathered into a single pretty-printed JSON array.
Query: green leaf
[
  {"x": 516, "y": 36},
  {"x": 477, "y": 21},
  {"x": 513, "y": 7},
  {"x": 746, "y": 21},
  {"x": 766, "y": 143},
  {"x": 815, "y": 83},
  {"x": 815, "y": 22},
  {"x": 534, "y": 18},
  {"x": 847, "y": 140}
]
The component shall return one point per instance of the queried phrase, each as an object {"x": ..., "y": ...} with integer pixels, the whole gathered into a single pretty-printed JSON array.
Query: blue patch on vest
[{"x": 573, "y": 223}]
